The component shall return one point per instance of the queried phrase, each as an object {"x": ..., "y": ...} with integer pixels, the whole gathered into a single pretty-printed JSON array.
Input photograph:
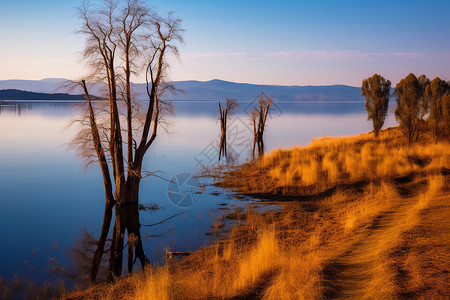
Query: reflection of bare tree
[
  {"x": 14, "y": 107},
  {"x": 258, "y": 119},
  {"x": 81, "y": 255},
  {"x": 230, "y": 107},
  {"x": 122, "y": 38}
]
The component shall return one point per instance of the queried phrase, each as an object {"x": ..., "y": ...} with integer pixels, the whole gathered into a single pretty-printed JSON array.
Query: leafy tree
[
  {"x": 435, "y": 92},
  {"x": 376, "y": 90},
  {"x": 424, "y": 102},
  {"x": 409, "y": 93},
  {"x": 446, "y": 114}
]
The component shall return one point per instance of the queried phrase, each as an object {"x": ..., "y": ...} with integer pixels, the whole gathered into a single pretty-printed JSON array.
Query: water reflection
[
  {"x": 14, "y": 108},
  {"x": 279, "y": 108}
]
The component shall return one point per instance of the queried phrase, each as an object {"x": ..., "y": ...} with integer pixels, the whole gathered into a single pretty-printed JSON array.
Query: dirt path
[{"x": 365, "y": 271}]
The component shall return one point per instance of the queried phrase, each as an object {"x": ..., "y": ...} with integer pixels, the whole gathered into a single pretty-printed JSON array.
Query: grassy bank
[
  {"x": 371, "y": 220},
  {"x": 332, "y": 162}
]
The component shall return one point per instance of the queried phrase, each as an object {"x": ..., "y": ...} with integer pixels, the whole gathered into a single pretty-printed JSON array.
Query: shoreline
[{"x": 306, "y": 248}]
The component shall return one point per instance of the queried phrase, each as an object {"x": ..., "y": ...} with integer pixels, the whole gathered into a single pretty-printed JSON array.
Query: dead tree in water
[
  {"x": 122, "y": 38},
  {"x": 258, "y": 119},
  {"x": 230, "y": 107}
]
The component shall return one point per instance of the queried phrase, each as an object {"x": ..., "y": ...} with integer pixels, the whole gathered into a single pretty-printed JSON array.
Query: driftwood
[
  {"x": 172, "y": 254},
  {"x": 163, "y": 220}
]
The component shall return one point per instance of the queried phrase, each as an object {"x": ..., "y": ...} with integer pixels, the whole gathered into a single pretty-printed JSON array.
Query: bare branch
[{"x": 166, "y": 219}]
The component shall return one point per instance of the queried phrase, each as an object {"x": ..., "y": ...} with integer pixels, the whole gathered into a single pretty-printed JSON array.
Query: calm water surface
[{"x": 47, "y": 199}]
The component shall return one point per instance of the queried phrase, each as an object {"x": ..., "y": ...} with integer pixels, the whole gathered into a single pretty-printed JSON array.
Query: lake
[{"x": 48, "y": 199}]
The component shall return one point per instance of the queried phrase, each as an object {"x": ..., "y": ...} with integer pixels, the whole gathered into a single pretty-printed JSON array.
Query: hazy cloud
[
  {"x": 34, "y": 62},
  {"x": 316, "y": 55}
]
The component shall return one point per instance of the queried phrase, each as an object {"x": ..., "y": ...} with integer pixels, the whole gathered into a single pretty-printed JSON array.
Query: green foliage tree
[
  {"x": 424, "y": 101},
  {"x": 446, "y": 115},
  {"x": 435, "y": 93},
  {"x": 376, "y": 90},
  {"x": 409, "y": 97}
]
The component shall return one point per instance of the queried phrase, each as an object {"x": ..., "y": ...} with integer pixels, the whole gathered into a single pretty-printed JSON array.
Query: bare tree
[
  {"x": 123, "y": 38},
  {"x": 230, "y": 107},
  {"x": 376, "y": 90},
  {"x": 409, "y": 93},
  {"x": 258, "y": 119}
]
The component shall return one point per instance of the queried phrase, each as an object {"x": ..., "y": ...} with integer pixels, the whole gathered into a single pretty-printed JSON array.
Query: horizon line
[{"x": 196, "y": 80}]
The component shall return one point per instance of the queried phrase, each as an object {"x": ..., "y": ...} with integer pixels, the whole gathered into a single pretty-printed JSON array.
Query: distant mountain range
[
  {"x": 192, "y": 90},
  {"x": 13, "y": 94}
]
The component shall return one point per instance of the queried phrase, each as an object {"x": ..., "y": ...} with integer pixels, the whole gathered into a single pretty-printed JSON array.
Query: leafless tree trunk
[
  {"x": 258, "y": 119},
  {"x": 110, "y": 201},
  {"x": 230, "y": 107},
  {"x": 121, "y": 36}
]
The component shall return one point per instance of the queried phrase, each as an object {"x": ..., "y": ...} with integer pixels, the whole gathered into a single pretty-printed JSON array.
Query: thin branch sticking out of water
[{"x": 163, "y": 220}]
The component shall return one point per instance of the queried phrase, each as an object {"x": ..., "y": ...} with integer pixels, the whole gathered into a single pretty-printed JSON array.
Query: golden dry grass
[
  {"x": 328, "y": 162},
  {"x": 22, "y": 288},
  {"x": 379, "y": 233},
  {"x": 294, "y": 254}
]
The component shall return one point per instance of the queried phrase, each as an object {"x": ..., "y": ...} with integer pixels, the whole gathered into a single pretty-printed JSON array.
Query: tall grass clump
[
  {"x": 375, "y": 200},
  {"x": 259, "y": 261},
  {"x": 155, "y": 284}
]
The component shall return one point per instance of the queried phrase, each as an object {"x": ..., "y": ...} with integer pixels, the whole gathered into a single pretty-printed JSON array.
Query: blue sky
[{"x": 267, "y": 42}]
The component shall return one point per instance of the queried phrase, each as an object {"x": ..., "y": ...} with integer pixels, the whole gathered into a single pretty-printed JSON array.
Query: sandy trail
[{"x": 366, "y": 271}]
